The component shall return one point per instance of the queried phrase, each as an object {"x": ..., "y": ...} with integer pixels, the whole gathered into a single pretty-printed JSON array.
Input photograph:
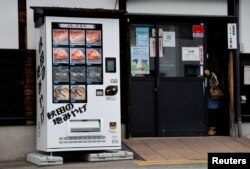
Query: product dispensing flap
[{"x": 85, "y": 126}]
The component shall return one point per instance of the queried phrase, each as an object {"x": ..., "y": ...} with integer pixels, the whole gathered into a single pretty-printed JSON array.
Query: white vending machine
[{"x": 78, "y": 84}]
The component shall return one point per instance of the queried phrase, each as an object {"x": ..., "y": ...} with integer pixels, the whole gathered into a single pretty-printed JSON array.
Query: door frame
[{"x": 155, "y": 19}]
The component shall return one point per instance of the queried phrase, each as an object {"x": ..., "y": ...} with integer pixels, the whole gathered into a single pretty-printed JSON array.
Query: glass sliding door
[
  {"x": 181, "y": 89},
  {"x": 167, "y": 83},
  {"x": 143, "y": 76}
]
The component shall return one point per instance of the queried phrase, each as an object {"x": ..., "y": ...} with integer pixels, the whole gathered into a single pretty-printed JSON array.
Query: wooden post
[{"x": 231, "y": 95}]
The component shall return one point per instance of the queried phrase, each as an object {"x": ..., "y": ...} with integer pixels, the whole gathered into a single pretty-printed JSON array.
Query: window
[
  {"x": 17, "y": 87},
  {"x": 180, "y": 50}
]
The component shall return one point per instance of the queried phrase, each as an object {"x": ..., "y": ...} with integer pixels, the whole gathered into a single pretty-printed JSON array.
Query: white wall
[
  {"x": 9, "y": 14},
  {"x": 245, "y": 25},
  {"x": 246, "y": 130},
  {"x": 9, "y": 24},
  {"x": 190, "y": 7},
  {"x": 31, "y": 32}
]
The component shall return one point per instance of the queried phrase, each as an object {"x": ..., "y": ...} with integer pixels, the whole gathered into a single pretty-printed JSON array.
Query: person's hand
[{"x": 207, "y": 72}]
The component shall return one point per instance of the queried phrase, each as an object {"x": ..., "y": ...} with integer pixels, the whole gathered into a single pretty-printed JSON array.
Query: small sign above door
[{"x": 198, "y": 31}]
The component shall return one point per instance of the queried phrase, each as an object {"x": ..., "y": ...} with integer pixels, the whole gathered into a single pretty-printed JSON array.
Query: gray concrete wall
[
  {"x": 16, "y": 142},
  {"x": 246, "y": 130},
  {"x": 9, "y": 24},
  {"x": 244, "y": 26}
]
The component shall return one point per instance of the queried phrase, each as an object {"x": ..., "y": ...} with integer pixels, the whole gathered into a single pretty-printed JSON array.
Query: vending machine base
[
  {"x": 42, "y": 159},
  {"x": 108, "y": 156}
]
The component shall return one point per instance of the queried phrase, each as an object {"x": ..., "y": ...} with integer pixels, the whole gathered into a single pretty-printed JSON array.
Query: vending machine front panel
[{"x": 82, "y": 106}]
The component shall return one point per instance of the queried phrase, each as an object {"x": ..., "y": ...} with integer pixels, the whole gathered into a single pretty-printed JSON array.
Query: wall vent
[{"x": 82, "y": 139}]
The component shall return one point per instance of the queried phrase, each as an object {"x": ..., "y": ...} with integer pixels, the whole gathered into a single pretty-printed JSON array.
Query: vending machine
[{"x": 78, "y": 84}]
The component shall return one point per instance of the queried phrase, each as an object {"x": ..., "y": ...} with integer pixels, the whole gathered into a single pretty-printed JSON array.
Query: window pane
[
  {"x": 182, "y": 50},
  {"x": 168, "y": 57},
  {"x": 17, "y": 87}
]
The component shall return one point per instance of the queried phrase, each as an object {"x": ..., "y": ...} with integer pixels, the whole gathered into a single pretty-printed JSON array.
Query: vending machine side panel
[{"x": 41, "y": 89}]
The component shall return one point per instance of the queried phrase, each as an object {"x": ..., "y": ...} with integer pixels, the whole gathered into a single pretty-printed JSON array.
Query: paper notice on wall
[
  {"x": 232, "y": 35},
  {"x": 160, "y": 32},
  {"x": 246, "y": 75},
  {"x": 201, "y": 53},
  {"x": 168, "y": 39},
  {"x": 201, "y": 70},
  {"x": 190, "y": 54},
  {"x": 153, "y": 32},
  {"x": 152, "y": 47},
  {"x": 160, "y": 47}
]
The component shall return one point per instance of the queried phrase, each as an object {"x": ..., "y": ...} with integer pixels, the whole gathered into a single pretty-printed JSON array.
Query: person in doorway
[{"x": 213, "y": 101}]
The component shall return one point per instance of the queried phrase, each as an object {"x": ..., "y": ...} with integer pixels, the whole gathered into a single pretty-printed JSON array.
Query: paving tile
[
  {"x": 185, "y": 148},
  {"x": 234, "y": 145},
  {"x": 161, "y": 148},
  {"x": 182, "y": 149},
  {"x": 244, "y": 141},
  {"x": 153, "y": 157}
]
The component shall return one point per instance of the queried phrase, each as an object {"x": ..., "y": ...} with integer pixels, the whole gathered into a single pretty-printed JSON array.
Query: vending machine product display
[{"x": 78, "y": 84}]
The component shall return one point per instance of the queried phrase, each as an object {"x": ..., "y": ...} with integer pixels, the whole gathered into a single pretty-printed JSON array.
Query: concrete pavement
[
  {"x": 126, "y": 164},
  {"x": 154, "y": 153},
  {"x": 185, "y": 148}
]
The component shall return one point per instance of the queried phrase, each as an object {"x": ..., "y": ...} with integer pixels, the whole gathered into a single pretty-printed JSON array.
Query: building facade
[{"x": 174, "y": 96}]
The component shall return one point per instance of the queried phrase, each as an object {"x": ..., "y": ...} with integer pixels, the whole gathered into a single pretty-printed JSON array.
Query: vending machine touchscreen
[{"x": 78, "y": 84}]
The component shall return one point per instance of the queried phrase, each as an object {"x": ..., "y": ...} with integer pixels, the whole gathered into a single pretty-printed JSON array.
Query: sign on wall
[{"x": 232, "y": 35}]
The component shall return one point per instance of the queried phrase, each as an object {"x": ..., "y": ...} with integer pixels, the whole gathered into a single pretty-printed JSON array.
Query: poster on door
[
  {"x": 139, "y": 60},
  {"x": 190, "y": 54},
  {"x": 153, "y": 47},
  {"x": 168, "y": 39},
  {"x": 142, "y": 36}
]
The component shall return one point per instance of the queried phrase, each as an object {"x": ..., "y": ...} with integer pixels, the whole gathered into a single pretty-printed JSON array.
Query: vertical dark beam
[
  {"x": 22, "y": 24},
  {"x": 233, "y": 10},
  {"x": 237, "y": 71},
  {"x": 123, "y": 5},
  {"x": 231, "y": 7},
  {"x": 124, "y": 65},
  {"x": 124, "y": 74}
]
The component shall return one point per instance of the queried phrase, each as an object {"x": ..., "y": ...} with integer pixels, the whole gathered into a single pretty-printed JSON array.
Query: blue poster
[
  {"x": 142, "y": 36},
  {"x": 139, "y": 60}
]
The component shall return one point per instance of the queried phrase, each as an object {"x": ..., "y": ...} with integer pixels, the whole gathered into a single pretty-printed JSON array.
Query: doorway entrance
[
  {"x": 218, "y": 61},
  {"x": 168, "y": 90}
]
